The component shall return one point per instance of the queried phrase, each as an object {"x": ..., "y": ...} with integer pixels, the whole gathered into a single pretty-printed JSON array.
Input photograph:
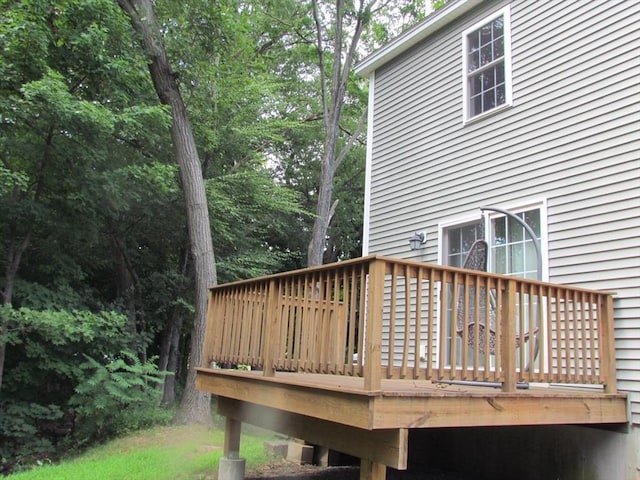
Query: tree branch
[{"x": 352, "y": 139}]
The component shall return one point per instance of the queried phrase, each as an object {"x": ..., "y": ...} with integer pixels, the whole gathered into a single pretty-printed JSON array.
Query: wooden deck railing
[{"x": 379, "y": 317}]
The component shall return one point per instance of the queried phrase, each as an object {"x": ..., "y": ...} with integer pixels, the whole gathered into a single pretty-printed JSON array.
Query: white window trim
[
  {"x": 506, "y": 13},
  {"x": 366, "y": 228}
]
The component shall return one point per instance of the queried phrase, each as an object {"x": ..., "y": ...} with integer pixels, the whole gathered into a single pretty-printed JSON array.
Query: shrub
[
  {"x": 117, "y": 396},
  {"x": 20, "y": 440}
]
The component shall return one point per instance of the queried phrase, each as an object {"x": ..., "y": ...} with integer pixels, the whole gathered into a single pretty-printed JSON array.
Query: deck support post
[
  {"x": 231, "y": 466},
  {"x": 370, "y": 470},
  {"x": 508, "y": 344}
]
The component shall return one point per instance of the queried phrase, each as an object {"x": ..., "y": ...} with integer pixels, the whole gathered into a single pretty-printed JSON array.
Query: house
[
  {"x": 531, "y": 110},
  {"x": 528, "y": 106}
]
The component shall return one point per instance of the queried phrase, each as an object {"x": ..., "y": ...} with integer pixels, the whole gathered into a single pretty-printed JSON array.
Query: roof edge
[{"x": 406, "y": 40}]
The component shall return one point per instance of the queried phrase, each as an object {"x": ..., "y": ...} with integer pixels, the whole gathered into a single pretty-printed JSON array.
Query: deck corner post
[
  {"x": 373, "y": 330},
  {"x": 508, "y": 344},
  {"x": 270, "y": 321},
  {"x": 607, "y": 346}
]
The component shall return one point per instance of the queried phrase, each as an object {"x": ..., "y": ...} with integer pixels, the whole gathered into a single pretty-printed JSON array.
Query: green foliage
[
  {"x": 21, "y": 442},
  {"x": 116, "y": 396},
  {"x": 70, "y": 379},
  {"x": 253, "y": 216}
]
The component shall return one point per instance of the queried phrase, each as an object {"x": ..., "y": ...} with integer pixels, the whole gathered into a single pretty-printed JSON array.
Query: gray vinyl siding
[{"x": 571, "y": 138}]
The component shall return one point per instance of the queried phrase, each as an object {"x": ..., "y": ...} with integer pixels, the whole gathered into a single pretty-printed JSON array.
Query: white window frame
[{"x": 506, "y": 14}]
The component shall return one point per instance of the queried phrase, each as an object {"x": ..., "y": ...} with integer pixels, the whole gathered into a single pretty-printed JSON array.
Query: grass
[{"x": 171, "y": 453}]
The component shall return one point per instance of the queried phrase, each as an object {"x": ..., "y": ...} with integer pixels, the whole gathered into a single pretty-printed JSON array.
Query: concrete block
[
  {"x": 275, "y": 448},
  {"x": 300, "y": 453}
]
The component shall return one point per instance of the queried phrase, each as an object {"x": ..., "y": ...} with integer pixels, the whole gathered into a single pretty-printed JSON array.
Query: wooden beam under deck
[
  {"x": 402, "y": 404},
  {"x": 388, "y": 447}
]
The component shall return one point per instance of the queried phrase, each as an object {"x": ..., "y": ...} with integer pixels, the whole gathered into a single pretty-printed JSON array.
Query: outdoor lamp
[{"x": 417, "y": 240}]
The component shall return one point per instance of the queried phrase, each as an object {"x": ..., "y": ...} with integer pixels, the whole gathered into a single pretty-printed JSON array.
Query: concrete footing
[
  {"x": 231, "y": 468},
  {"x": 299, "y": 452}
]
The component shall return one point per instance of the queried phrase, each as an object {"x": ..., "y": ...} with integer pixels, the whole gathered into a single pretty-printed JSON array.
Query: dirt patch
[{"x": 285, "y": 470}]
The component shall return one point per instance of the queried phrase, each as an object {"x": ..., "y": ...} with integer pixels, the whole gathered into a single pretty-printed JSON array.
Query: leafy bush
[
  {"x": 20, "y": 440},
  {"x": 70, "y": 380},
  {"x": 117, "y": 396}
]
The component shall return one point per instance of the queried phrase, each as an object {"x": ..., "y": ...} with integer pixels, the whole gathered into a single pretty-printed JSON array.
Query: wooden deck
[{"x": 353, "y": 355}]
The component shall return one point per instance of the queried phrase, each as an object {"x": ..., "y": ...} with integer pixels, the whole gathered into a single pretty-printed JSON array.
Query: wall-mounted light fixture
[{"x": 418, "y": 240}]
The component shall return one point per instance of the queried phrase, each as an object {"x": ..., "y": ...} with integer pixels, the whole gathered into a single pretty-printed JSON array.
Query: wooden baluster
[
  {"x": 351, "y": 342},
  {"x": 392, "y": 320},
  {"x": 407, "y": 322},
  {"x": 431, "y": 324},
  {"x": 507, "y": 322},
  {"x": 271, "y": 326},
  {"x": 417, "y": 338}
]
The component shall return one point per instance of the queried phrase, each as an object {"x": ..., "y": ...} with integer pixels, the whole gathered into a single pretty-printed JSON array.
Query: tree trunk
[
  {"x": 16, "y": 249},
  {"x": 334, "y": 87},
  {"x": 171, "y": 365},
  {"x": 317, "y": 244},
  {"x": 195, "y": 405}
]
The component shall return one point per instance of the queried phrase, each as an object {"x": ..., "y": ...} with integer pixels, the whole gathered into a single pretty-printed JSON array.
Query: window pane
[
  {"x": 488, "y": 100},
  {"x": 531, "y": 257},
  {"x": 501, "y": 96},
  {"x": 498, "y": 27},
  {"x": 458, "y": 241},
  {"x": 498, "y": 48},
  {"x": 474, "y": 60},
  {"x": 532, "y": 218},
  {"x": 498, "y": 71},
  {"x": 474, "y": 41},
  {"x": 485, "y": 34},
  {"x": 498, "y": 260},
  {"x": 476, "y": 84},
  {"x": 515, "y": 231},
  {"x": 486, "y": 55},
  {"x": 468, "y": 234},
  {"x": 476, "y": 105},
  {"x": 516, "y": 258},
  {"x": 488, "y": 79},
  {"x": 454, "y": 241},
  {"x": 499, "y": 234}
]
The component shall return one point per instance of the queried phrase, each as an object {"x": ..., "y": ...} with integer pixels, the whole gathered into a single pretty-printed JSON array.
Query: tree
[
  {"x": 339, "y": 27},
  {"x": 61, "y": 103},
  {"x": 195, "y": 405},
  {"x": 333, "y": 87}
]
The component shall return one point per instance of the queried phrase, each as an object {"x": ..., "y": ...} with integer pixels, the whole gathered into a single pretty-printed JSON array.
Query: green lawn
[{"x": 171, "y": 453}]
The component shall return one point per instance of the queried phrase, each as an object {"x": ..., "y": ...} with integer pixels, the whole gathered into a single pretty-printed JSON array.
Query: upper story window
[{"x": 487, "y": 65}]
